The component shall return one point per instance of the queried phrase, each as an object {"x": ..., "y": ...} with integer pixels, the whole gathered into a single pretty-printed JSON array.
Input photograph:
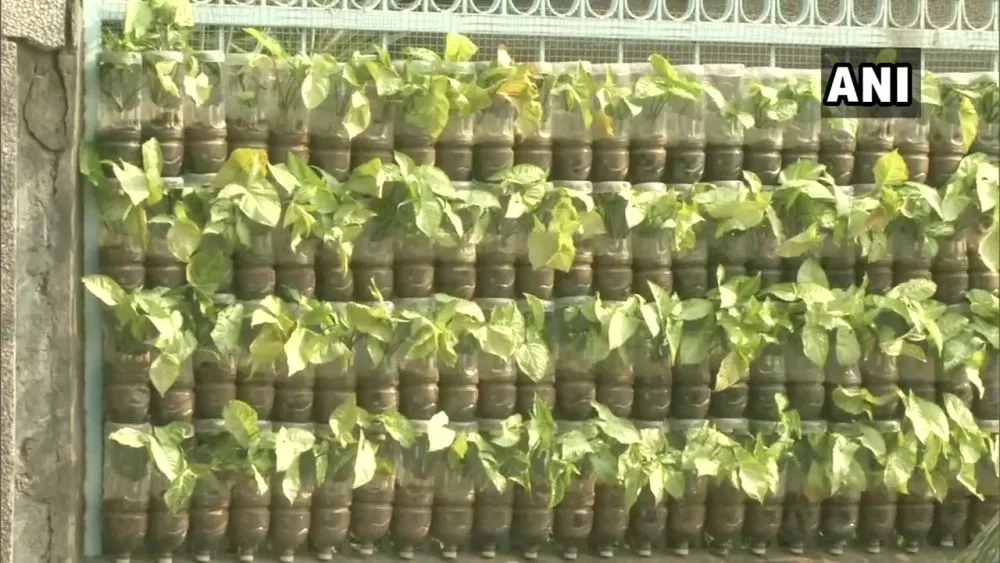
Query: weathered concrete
[{"x": 41, "y": 470}]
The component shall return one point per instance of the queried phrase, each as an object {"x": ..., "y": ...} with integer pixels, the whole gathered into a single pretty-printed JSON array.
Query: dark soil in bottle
[
  {"x": 839, "y": 520},
  {"x": 876, "y": 518},
  {"x": 652, "y": 261},
  {"x": 915, "y": 154},
  {"x": 126, "y": 387},
  {"x": 838, "y": 157},
  {"x": 615, "y": 377},
  {"x": 529, "y": 281},
  {"x": 458, "y": 387},
  {"x": 171, "y": 146},
  {"x": 944, "y": 161},
  {"x": 123, "y": 262},
  {"x": 411, "y": 517},
  {"x": 495, "y": 271},
  {"x": 580, "y": 277},
  {"x": 690, "y": 274},
  {"x": 652, "y": 386},
  {"x": 371, "y": 512},
  {"x": 163, "y": 269},
  {"x": 951, "y": 518},
  {"x": 488, "y": 159},
  {"x": 280, "y": 145},
  {"x": 240, "y": 136},
  {"x": 295, "y": 269},
  {"x": 334, "y": 282},
  {"x": 686, "y": 517},
  {"x": 125, "y": 526},
  {"x": 205, "y": 149},
  {"x": 249, "y": 517},
  {"x": 376, "y": 383},
  {"x": 722, "y": 164},
  {"x": 764, "y": 260},
  {"x": 334, "y": 386},
  {"x": 839, "y": 260},
  {"x": 364, "y": 147},
  {"x": 532, "y": 520},
  {"x": 954, "y": 382},
  {"x": 724, "y": 517},
  {"x": 766, "y": 379},
  {"x": 289, "y": 521},
  {"x": 865, "y": 157},
  {"x": 732, "y": 252},
  {"x": 492, "y": 520},
  {"x": 576, "y": 383},
  {"x": 214, "y": 383},
  {"x": 177, "y": 404},
  {"x": 418, "y": 146},
  {"x": 647, "y": 160},
  {"x": 453, "y": 512},
  {"x": 418, "y": 388},
  {"x": 804, "y": 381},
  {"x": 692, "y": 392},
  {"x": 331, "y": 154},
  {"x": 612, "y": 276},
  {"x": 256, "y": 390},
  {"x": 689, "y": 164},
  {"x": 331, "y": 516},
  {"x": 209, "y": 516},
  {"x": 764, "y": 160},
  {"x": 951, "y": 270},
  {"x": 763, "y": 520},
  {"x": 413, "y": 268},
  {"x": 914, "y": 519},
  {"x": 497, "y": 387},
  {"x": 610, "y": 160},
  {"x": 293, "y": 396},
  {"x": 573, "y": 518},
  {"x": 572, "y": 159},
  {"x": 534, "y": 151},
  {"x": 909, "y": 261},
  {"x": 806, "y": 152},
  {"x": 799, "y": 522},
  {"x": 610, "y": 518},
  {"x": 454, "y": 158},
  {"x": 917, "y": 376},
  {"x": 253, "y": 267},
  {"x": 528, "y": 389},
  {"x": 120, "y": 144},
  {"x": 455, "y": 271},
  {"x": 372, "y": 265},
  {"x": 647, "y": 524}
]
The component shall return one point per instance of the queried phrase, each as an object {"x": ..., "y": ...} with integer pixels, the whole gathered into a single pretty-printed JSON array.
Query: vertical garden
[{"x": 458, "y": 303}]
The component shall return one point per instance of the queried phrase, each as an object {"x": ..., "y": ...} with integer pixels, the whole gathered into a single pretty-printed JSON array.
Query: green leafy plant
[
  {"x": 518, "y": 85},
  {"x": 574, "y": 87},
  {"x": 733, "y": 208},
  {"x": 511, "y": 332},
  {"x": 242, "y": 198},
  {"x": 950, "y": 101},
  {"x": 148, "y": 319},
  {"x": 665, "y": 82},
  {"x": 437, "y": 86},
  {"x": 665, "y": 213},
  {"x": 166, "y": 446},
  {"x": 158, "y": 25},
  {"x": 563, "y": 215},
  {"x": 766, "y": 105},
  {"x": 120, "y": 81},
  {"x": 614, "y": 103},
  {"x": 594, "y": 329}
]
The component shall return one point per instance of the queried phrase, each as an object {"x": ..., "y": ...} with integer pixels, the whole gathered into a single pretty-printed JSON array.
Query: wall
[{"x": 40, "y": 342}]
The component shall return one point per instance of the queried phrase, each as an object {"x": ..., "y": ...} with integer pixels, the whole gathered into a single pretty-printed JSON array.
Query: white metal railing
[{"x": 960, "y": 25}]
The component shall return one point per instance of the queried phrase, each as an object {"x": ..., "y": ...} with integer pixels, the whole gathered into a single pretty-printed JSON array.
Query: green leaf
[
  {"x": 105, "y": 289},
  {"x": 133, "y": 182},
  {"x": 989, "y": 247},
  {"x": 732, "y": 369},
  {"x": 261, "y": 205},
  {"x": 812, "y": 272},
  {"x": 815, "y": 344},
  {"x": 163, "y": 373},
  {"x": 289, "y": 445},
  {"x": 891, "y": 170},
  {"x": 183, "y": 238},
  {"x": 927, "y": 419},
  {"x": 533, "y": 357},
  {"x": 365, "y": 463},
  {"x": 618, "y": 429},
  {"x": 459, "y": 48},
  {"x": 294, "y": 348},
  {"x": 226, "y": 331},
  {"x": 240, "y": 420},
  {"x": 848, "y": 348},
  {"x": 695, "y": 309},
  {"x": 621, "y": 327},
  {"x": 130, "y": 437},
  {"x": 358, "y": 116},
  {"x": 872, "y": 440}
]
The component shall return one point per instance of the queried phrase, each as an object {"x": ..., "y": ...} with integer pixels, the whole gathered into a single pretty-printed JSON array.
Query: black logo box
[{"x": 855, "y": 56}]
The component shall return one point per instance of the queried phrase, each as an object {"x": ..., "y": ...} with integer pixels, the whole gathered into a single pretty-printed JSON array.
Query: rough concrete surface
[{"x": 41, "y": 471}]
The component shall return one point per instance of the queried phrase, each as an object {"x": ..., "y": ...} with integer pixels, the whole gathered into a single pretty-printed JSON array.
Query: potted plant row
[
  {"x": 639, "y": 122},
  {"x": 411, "y": 231},
  {"x": 290, "y": 486}
]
